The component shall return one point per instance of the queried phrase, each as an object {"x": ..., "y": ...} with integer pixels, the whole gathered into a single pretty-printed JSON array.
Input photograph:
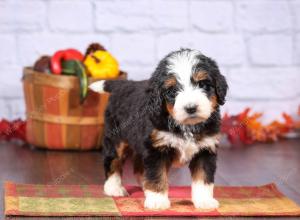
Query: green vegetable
[{"x": 76, "y": 68}]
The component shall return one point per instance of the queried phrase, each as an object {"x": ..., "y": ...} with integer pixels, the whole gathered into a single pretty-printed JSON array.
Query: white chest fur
[{"x": 187, "y": 146}]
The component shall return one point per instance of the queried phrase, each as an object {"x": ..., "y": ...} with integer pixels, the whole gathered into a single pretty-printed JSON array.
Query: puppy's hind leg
[
  {"x": 138, "y": 168},
  {"x": 114, "y": 157}
]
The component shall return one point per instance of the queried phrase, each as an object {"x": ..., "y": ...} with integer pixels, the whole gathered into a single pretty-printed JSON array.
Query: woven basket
[{"x": 55, "y": 117}]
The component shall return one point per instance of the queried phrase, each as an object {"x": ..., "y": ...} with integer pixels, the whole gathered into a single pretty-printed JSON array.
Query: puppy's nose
[{"x": 191, "y": 109}]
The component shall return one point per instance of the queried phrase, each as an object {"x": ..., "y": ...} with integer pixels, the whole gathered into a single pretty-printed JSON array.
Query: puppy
[{"x": 172, "y": 119}]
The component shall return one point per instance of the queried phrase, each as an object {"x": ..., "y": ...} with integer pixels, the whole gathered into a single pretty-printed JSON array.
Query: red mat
[{"x": 89, "y": 200}]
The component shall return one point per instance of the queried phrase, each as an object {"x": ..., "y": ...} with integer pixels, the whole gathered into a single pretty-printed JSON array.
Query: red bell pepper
[{"x": 59, "y": 56}]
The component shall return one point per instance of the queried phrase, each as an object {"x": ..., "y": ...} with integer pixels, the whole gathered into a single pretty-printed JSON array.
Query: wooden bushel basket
[{"x": 55, "y": 117}]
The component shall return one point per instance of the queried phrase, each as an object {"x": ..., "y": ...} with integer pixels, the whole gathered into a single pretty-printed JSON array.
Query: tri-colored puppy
[{"x": 172, "y": 119}]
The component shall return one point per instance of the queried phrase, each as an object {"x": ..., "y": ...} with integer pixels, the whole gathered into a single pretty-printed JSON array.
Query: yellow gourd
[{"x": 101, "y": 64}]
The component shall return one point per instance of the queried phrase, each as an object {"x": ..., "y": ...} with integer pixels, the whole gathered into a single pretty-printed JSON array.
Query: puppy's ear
[
  {"x": 221, "y": 88},
  {"x": 154, "y": 97}
]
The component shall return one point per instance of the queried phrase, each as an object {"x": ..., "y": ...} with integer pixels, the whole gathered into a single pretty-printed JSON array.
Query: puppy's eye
[
  {"x": 206, "y": 85},
  {"x": 171, "y": 93}
]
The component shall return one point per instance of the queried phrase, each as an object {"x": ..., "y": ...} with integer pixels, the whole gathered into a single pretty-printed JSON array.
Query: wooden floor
[{"x": 254, "y": 165}]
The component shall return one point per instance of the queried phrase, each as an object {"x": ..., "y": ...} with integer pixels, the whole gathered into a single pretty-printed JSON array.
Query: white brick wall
[
  {"x": 19, "y": 16},
  {"x": 64, "y": 16},
  {"x": 256, "y": 42},
  {"x": 221, "y": 23},
  {"x": 271, "y": 50},
  {"x": 259, "y": 16}
]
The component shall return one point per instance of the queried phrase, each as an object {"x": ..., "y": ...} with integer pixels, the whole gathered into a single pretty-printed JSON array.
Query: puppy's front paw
[
  {"x": 206, "y": 203},
  {"x": 156, "y": 200},
  {"x": 202, "y": 195}
]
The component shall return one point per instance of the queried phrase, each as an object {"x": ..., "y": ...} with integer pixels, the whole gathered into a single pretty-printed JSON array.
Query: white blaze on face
[
  {"x": 181, "y": 64},
  {"x": 192, "y": 96}
]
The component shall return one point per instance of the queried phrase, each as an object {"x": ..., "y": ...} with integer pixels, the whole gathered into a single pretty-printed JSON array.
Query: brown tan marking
[
  {"x": 199, "y": 137},
  {"x": 171, "y": 81},
  {"x": 161, "y": 184},
  {"x": 115, "y": 167},
  {"x": 176, "y": 162},
  {"x": 170, "y": 109},
  {"x": 156, "y": 141},
  {"x": 198, "y": 174},
  {"x": 123, "y": 151},
  {"x": 214, "y": 102},
  {"x": 201, "y": 75},
  {"x": 193, "y": 121}
]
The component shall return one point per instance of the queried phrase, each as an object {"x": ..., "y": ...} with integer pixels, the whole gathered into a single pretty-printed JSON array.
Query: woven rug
[{"x": 89, "y": 200}]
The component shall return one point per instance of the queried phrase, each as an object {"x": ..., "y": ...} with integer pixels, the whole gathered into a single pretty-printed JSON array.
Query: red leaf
[{"x": 13, "y": 130}]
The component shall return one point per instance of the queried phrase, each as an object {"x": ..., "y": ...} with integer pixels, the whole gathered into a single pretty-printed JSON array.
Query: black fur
[
  {"x": 206, "y": 161},
  {"x": 136, "y": 108}
]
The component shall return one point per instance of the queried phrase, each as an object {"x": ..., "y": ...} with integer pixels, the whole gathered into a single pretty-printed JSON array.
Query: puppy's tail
[{"x": 105, "y": 86}]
